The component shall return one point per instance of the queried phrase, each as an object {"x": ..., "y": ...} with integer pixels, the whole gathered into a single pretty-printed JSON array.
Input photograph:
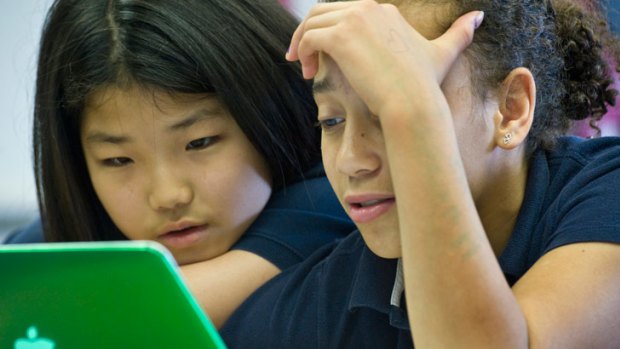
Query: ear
[{"x": 515, "y": 114}]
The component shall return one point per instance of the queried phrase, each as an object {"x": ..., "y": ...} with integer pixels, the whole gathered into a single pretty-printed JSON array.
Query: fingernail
[{"x": 479, "y": 18}]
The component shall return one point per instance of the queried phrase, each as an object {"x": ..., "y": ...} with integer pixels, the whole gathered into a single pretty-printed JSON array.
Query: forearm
[
  {"x": 456, "y": 293},
  {"x": 221, "y": 284}
]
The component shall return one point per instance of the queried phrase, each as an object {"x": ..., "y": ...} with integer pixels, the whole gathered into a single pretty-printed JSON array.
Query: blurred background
[{"x": 20, "y": 25}]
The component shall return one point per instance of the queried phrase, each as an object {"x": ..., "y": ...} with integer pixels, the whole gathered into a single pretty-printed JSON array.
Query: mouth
[
  {"x": 365, "y": 210},
  {"x": 368, "y": 203},
  {"x": 183, "y": 237}
]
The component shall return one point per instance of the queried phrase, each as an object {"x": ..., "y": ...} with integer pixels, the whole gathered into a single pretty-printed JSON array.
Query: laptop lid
[{"x": 125, "y": 294}]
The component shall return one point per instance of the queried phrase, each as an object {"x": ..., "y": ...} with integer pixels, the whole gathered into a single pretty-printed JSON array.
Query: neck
[{"x": 499, "y": 205}]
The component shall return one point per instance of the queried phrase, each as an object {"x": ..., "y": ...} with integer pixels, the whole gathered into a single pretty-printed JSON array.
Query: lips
[
  {"x": 182, "y": 236},
  {"x": 366, "y": 208},
  {"x": 182, "y": 230}
]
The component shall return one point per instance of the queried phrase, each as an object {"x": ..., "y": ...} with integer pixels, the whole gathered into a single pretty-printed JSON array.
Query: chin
[
  {"x": 185, "y": 260},
  {"x": 384, "y": 245},
  {"x": 191, "y": 258}
]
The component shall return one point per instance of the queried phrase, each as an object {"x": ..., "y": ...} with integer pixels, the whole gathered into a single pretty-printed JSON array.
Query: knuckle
[
  {"x": 368, "y": 5},
  {"x": 357, "y": 13},
  {"x": 308, "y": 45},
  {"x": 390, "y": 8},
  {"x": 355, "y": 19},
  {"x": 310, "y": 23},
  {"x": 340, "y": 37},
  {"x": 314, "y": 10}
]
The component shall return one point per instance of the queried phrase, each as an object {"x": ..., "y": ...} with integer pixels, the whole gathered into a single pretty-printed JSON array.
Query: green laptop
[{"x": 97, "y": 295}]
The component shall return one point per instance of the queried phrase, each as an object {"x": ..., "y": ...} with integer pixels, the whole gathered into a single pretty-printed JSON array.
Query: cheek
[
  {"x": 475, "y": 140},
  {"x": 236, "y": 201},
  {"x": 120, "y": 202},
  {"x": 473, "y": 123},
  {"x": 328, "y": 155},
  {"x": 237, "y": 190}
]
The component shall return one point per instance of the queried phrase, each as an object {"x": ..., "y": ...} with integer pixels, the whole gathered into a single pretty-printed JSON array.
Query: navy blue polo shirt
[
  {"x": 297, "y": 220},
  {"x": 340, "y": 297},
  {"x": 572, "y": 195},
  {"x": 32, "y": 233},
  {"x": 337, "y": 298}
]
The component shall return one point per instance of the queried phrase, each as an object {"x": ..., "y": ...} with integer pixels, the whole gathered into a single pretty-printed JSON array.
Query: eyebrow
[
  {"x": 102, "y": 137},
  {"x": 194, "y": 118},
  {"x": 199, "y": 116},
  {"x": 322, "y": 86}
]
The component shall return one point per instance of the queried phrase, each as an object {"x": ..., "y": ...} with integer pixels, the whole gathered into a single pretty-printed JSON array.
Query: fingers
[
  {"x": 456, "y": 39},
  {"x": 344, "y": 28},
  {"x": 329, "y": 29},
  {"x": 317, "y": 10},
  {"x": 318, "y": 36}
]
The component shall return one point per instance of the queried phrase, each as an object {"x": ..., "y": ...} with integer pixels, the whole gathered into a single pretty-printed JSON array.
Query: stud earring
[{"x": 508, "y": 138}]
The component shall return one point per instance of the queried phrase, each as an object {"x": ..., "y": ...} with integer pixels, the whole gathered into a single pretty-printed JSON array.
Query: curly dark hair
[{"x": 566, "y": 44}]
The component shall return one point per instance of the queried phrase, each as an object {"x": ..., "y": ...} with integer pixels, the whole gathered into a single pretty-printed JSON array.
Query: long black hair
[{"x": 233, "y": 48}]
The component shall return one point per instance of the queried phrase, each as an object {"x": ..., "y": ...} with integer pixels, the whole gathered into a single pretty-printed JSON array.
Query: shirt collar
[
  {"x": 374, "y": 283},
  {"x": 399, "y": 285}
]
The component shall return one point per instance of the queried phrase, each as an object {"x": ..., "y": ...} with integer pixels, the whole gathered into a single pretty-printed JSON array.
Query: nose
[
  {"x": 169, "y": 190},
  {"x": 358, "y": 155}
]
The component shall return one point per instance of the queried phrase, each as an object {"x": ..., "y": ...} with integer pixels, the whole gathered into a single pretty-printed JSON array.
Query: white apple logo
[{"x": 32, "y": 342}]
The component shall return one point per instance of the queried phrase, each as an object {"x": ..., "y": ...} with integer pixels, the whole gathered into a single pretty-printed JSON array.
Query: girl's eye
[
  {"x": 330, "y": 123},
  {"x": 200, "y": 143},
  {"x": 117, "y": 162}
]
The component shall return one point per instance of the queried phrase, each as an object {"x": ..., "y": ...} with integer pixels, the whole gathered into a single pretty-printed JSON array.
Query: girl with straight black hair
[{"x": 180, "y": 121}]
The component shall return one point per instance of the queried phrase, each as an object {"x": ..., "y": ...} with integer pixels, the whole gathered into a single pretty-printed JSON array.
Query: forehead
[
  {"x": 426, "y": 17},
  {"x": 145, "y": 97},
  {"x": 112, "y": 102},
  {"x": 329, "y": 78}
]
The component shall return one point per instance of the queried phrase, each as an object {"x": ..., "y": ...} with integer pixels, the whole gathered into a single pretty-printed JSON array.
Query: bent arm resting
[
  {"x": 298, "y": 220},
  {"x": 221, "y": 284}
]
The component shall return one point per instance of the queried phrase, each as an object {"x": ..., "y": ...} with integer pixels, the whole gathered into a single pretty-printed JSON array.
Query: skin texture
[
  {"x": 221, "y": 284},
  {"x": 400, "y": 125},
  {"x": 161, "y": 162},
  {"x": 159, "y": 62},
  {"x": 183, "y": 167}
]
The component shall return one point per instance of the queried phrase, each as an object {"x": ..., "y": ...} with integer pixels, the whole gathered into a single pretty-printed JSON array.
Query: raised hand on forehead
[{"x": 377, "y": 50}]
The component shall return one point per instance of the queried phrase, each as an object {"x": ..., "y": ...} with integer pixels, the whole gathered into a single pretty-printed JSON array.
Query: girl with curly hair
[{"x": 481, "y": 225}]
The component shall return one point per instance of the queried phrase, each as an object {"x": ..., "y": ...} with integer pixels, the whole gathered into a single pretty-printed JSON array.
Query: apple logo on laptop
[{"x": 32, "y": 342}]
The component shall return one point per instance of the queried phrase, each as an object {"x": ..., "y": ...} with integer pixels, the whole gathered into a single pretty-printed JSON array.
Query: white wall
[
  {"x": 300, "y": 7},
  {"x": 20, "y": 25}
]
